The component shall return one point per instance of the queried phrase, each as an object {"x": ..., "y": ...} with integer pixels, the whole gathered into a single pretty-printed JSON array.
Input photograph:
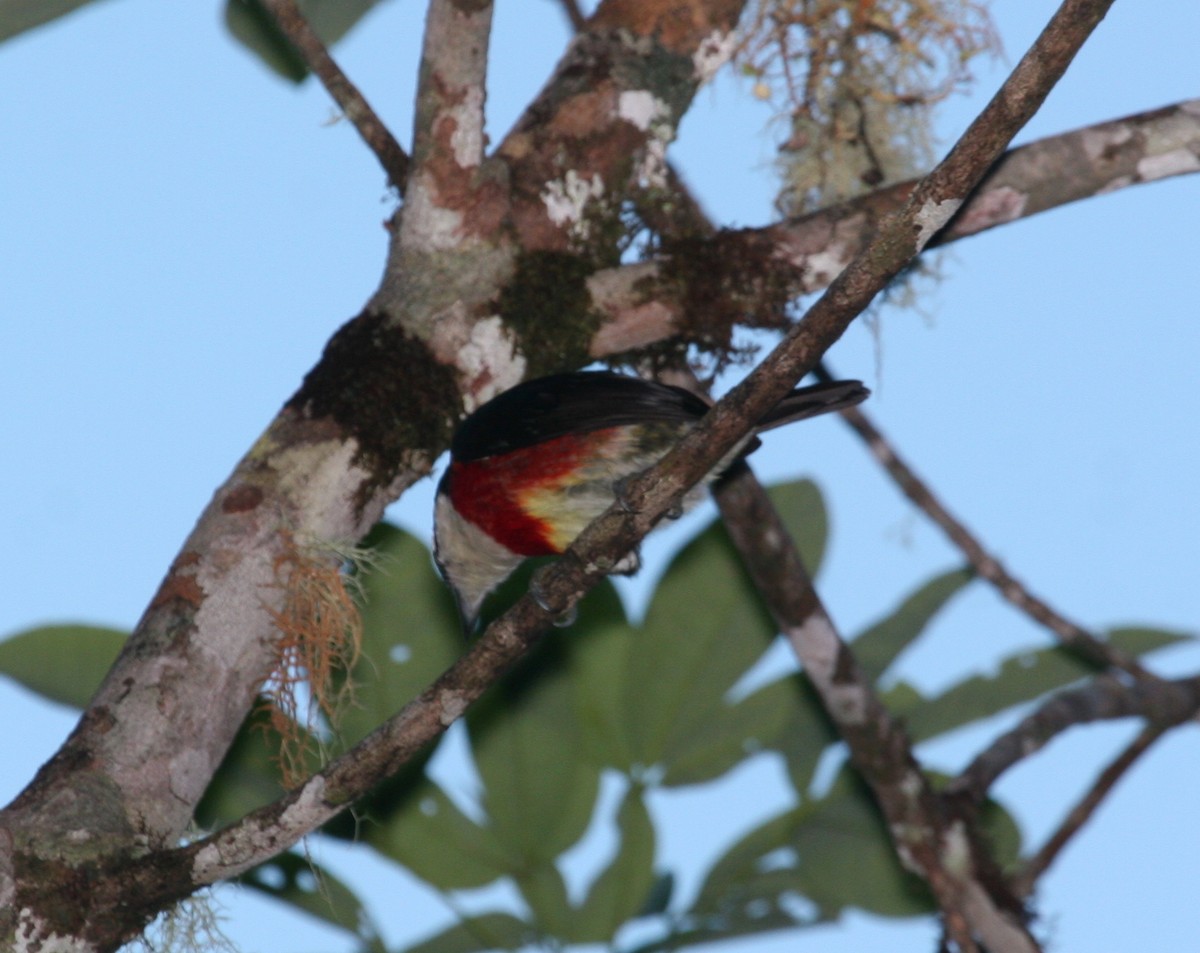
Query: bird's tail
[{"x": 814, "y": 400}]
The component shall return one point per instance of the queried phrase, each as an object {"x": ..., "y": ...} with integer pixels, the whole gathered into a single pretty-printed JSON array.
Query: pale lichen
[
  {"x": 566, "y": 201},
  {"x": 931, "y": 217}
]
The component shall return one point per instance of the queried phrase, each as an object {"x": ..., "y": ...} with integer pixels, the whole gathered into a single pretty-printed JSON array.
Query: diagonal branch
[
  {"x": 899, "y": 239},
  {"x": 353, "y": 104},
  {"x": 928, "y": 838},
  {"x": 1081, "y": 813},
  {"x": 1104, "y": 698},
  {"x": 985, "y": 564},
  {"x": 641, "y": 304}
]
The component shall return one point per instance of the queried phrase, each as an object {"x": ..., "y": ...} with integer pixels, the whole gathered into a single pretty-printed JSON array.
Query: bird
[{"x": 536, "y": 464}]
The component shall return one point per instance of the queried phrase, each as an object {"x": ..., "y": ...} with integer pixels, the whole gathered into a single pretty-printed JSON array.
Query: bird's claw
[
  {"x": 621, "y": 493},
  {"x": 538, "y": 593}
]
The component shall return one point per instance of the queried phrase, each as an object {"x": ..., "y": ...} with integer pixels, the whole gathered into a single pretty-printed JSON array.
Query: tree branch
[
  {"x": 985, "y": 564},
  {"x": 1103, "y": 698},
  {"x": 1032, "y": 870},
  {"x": 273, "y": 828},
  {"x": 640, "y": 304},
  {"x": 929, "y": 839},
  {"x": 353, "y": 104},
  {"x": 607, "y": 116}
]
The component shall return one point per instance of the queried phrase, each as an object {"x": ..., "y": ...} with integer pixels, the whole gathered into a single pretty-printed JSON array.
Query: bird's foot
[
  {"x": 621, "y": 493},
  {"x": 537, "y": 591}
]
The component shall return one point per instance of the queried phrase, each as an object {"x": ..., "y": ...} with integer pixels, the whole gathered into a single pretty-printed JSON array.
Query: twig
[
  {"x": 986, "y": 565},
  {"x": 1104, "y": 698},
  {"x": 353, "y": 104},
  {"x": 1025, "y": 880},
  {"x": 574, "y": 14}
]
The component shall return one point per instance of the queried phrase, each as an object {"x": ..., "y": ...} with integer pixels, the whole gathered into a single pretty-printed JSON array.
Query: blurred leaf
[
  {"x": 411, "y": 632},
  {"x": 489, "y": 931},
  {"x": 539, "y": 788},
  {"x": 1020, "y": 678},
  {"x": 735, "y": 733},
  {"x": 64, "y": 663},
  {"x": 704, "y": 629},
  {"x": 659, "y": 897},
  {"x": 298, "y": 882},
  {"x": 251, "y": 24},
  {"x": 622, "y": 889},
  {"x": 430, "y": 836},
  {"x": 1141, "y": 640},
  {"x": 17, "y": 16},
  {"x": 877, "y": 648},
  {"x": 1002, "y": 834},
  {"x": 599, "y": 661},
  {"x": 802, "y": 509},
  {"x": 545, "y": 892},
  {"x": 598, "y": 645},
  {"x": 249, "y": 774},
  {"x": 811, "y": 862},
  {"x": 807, "y": 733}
]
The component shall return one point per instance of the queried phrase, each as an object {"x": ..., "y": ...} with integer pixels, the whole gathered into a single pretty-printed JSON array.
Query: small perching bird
[{"x": 535, "y": 465}]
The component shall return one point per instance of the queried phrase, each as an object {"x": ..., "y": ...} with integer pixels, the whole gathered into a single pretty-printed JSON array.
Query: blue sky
[{"x": 180, "y": 233}]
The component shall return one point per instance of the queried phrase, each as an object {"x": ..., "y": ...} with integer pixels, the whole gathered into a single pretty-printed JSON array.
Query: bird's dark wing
[{"x": 562, "y": 404}]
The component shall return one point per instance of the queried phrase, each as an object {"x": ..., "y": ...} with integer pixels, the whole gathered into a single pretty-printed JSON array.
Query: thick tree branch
[
  {"x": 640, "y": 304},
  {"x": 606, "y": 118},
  {"x": 931, "y": 841},
  {"x": 353, "y": 104}
]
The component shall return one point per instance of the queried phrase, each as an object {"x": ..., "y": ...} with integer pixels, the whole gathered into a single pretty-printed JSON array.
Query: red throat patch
[{"x": 488, "y": 492}]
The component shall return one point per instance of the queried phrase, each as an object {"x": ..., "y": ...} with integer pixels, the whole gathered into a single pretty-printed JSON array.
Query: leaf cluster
[{"x": 677, "y": 700}]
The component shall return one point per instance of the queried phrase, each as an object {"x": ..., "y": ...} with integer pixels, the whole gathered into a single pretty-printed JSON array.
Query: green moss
[
  {"x": 731, "y": 279},
  {"x": 384, "y": 388},
  {"x": 547, "y": 305}
]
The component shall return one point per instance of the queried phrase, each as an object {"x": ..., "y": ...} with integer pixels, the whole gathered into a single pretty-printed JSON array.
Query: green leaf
[
  {"x": 877, "y": 648},
  {"x": 489, "y": 931},
  {"x": 544, "y": 889},
  {"x": 622, "y": 889},
  {"x": 802, "y": 509},
  {"x": 811, "y": 862},
  {"x": 599, "y": 661},
  {"x": 539, "y": 787},
  {"x": 430, "y": 836},
  {"x": 1140, "y": 640},
  {"x": 735, "y": 733},
  {"x": 300, "y": 883},
  {"x": 250, "y": 23},
  {"x": 64, "y": 663},
  {"x": 411, "y": 632},
  {"x": 1020, "y": 678},
  {"x": 704, "y": 629},
  {"x": 807, "y": 733},
  {"x": 1001, "y": 833},
  {"x": 249, "y": 775},
  {"x": 17, "y": 16}
]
